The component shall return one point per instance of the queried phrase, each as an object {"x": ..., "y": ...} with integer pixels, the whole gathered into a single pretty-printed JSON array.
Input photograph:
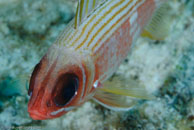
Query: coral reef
[{"x": 166, "y": 68}]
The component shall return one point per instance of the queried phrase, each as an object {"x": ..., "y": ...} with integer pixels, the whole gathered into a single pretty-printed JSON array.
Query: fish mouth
[{"x": 35, "y": 115}]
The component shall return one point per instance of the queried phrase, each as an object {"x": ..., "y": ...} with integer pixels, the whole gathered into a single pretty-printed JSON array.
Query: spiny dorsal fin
[{"x": 85, "y": 8}]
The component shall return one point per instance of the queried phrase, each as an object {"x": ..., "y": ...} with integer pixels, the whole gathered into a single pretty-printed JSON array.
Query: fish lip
[{"x": 35, "y": 115}]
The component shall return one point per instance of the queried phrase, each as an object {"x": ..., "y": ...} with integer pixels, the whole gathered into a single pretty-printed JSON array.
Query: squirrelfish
[{"x": 88, "y": 52}]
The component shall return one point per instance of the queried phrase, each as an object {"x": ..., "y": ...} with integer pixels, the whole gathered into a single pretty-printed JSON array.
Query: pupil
[{"x": 66, "y": 88}]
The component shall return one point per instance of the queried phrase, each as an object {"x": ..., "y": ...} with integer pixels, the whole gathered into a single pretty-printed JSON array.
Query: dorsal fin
[
  {"x": 160, "y": 24},
  {"x": 85, "y": 8}
]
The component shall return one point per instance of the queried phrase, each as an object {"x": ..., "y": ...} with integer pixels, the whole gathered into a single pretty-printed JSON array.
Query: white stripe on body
[
  {"x": 89, "y": 25},
  {"x": 107, "y": 27},
  {"x": 122, "y": 21},
  {"x": 133, "y": 17}
]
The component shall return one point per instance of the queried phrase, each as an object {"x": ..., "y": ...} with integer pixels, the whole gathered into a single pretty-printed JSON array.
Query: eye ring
[{"x": 65, "y": 89}]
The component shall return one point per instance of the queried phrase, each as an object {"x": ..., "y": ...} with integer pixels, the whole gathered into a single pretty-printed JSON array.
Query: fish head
[{"x": 59, "y": 83}]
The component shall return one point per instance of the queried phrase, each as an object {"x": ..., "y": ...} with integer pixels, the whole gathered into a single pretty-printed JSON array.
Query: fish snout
[
  {"x": 38, "y": 114},
  {"x": 37, "y": 111}
]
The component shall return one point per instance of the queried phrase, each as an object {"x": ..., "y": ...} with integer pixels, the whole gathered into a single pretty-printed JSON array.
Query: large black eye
[{"x": 65, "y": 89}]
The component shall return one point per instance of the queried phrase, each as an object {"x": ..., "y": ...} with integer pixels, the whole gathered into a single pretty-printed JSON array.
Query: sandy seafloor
[{"x": 166, "y": 68}]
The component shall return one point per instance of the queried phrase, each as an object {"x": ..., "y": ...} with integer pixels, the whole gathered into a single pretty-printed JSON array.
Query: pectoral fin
[
  {"x": 159, "y": 26},
  {"x": 121, "y": 94},
  {"x": 126, "y": 87},
  {"x": 113, "y": 101}
]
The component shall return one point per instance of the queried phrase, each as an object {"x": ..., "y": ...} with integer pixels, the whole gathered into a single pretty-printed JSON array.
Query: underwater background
[{"x": 166, "y": 68}]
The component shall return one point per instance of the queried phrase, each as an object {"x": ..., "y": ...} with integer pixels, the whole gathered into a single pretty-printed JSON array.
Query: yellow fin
[
  {"x": 113, "y": 101},
  {"x": 121, "y": 94},
  {"x": 159, "y": 26},
  {"x": 85, "y": 8},
  {"x": 126, "y": 87}
]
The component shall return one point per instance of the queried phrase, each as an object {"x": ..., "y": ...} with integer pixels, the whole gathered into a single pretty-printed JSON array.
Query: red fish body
[{"x": 86, "y": 54}]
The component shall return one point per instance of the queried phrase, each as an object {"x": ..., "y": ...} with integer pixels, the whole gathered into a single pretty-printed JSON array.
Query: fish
[{"x": 77, "y": 66}]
